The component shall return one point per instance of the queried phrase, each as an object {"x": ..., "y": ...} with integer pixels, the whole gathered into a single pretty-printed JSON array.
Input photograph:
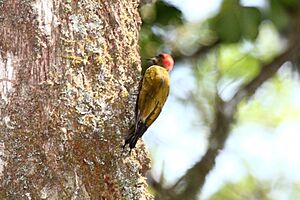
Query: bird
[{"x": 153, "y": 93}]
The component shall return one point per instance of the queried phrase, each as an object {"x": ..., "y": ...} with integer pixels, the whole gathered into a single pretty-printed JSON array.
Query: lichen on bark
[{"x": 69, "y": 72}]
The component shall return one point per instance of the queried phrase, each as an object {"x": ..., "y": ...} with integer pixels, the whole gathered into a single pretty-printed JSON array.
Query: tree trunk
[{"x": 69, "y": 72}]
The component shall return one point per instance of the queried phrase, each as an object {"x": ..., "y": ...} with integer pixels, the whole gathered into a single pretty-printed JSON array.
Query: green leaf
[
  {"x": 167, "y": 14},
  {"x": 237, "y": 65},
  {"x": 247, "y": 188},
  {"x": 289, "y": 3},
  {"x": 226, "y": 24},
  {"x": 235, "y": 22},
  {"x": 148, "y": 13},
  {"x": 249, "y": 21},
  {"x": 149, "y": 42},
  {"x": 279, "y": 15},
  {"x": 274, "y": 103}
]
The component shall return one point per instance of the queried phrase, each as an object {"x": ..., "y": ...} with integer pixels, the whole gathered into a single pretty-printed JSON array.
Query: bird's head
[{"x": 165, "y": 60}]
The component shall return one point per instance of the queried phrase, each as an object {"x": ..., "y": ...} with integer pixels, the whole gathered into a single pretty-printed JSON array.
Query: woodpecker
[{"x": 153, "y": 93}]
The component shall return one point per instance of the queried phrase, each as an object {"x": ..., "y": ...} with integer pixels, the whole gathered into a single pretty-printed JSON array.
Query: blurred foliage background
[{"x": 216, "y": 56}]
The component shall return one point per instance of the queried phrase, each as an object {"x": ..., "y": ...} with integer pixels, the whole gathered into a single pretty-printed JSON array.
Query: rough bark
[{"x": 68, "y": 74}]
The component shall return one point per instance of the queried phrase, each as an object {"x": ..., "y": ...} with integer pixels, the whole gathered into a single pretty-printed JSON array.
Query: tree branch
[
  {"x": 191, "y": 183},
  {"x": 195, "y": 176}
]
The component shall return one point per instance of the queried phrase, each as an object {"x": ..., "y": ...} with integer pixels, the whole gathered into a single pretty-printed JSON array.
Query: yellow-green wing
[{"x": 153, "y": 94}]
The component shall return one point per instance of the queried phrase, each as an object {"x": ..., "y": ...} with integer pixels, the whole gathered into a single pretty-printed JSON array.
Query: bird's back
[{"x": 153, "y": 94}]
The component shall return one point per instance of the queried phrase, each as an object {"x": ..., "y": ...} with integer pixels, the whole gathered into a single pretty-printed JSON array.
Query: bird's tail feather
[{"x": 135, "y": 134}]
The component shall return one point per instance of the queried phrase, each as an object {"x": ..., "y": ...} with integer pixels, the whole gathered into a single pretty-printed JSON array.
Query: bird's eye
[{"x": 161, "y": 55}]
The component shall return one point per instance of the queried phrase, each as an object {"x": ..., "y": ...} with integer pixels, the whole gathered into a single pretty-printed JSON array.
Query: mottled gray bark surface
[{"x": 68, "y": 74}]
